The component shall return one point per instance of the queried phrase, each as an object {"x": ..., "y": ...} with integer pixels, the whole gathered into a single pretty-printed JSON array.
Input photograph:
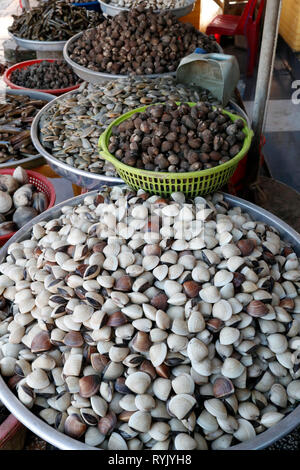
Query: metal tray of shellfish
[
  {"x": 82, "y": 178},
  {"x": 112, "y": 10},
  {"x": 64, "y": 442},
  {"x": 91, "y": 75},
  {"x": 41, "y": 46},
  {"x": 29, "y": 161},
  {"x": 101, "y": 77}
]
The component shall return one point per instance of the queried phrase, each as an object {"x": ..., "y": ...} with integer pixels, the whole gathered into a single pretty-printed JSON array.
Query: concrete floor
[{"x": 282, "y": 126}]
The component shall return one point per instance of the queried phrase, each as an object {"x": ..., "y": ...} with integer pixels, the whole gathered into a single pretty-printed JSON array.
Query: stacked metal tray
[
  {"x": 40, "y": 46},
  {"x": 111, "y": 10},
  {"x": 29, "y": 161}
]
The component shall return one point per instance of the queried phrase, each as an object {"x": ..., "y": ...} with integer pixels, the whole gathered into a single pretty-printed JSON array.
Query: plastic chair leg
[{"x": 252, "y": 39}]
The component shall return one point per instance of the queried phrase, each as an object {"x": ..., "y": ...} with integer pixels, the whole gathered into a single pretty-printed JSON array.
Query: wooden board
[{"x": 194, "y": 16}]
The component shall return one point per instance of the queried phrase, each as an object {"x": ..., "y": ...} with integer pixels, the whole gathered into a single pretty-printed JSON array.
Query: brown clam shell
[
  {"x": 246, "y": 246},
  {"x": 108, "y": 423},
  {"x": 73, "y": 339},
  {"x": 89, "y": 385},
  {"x": 256, "y": 308},
  {"x": 74, "y": 427},
  {"x": 223, "y": 387},
  {"x": 41, "y": 342}
]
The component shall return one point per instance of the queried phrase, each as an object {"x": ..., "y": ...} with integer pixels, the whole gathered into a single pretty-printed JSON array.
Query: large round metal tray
[
  {"x": 29, "y": 161},
  {"x": 43, "y": 46},
  {"x": 113, "y": 10},
  {"x": 62, "y": 441},
  {"x": 92, "y": 76},
  {"x": 102, "y": 77},
  {"x": 83, "y": 178}
]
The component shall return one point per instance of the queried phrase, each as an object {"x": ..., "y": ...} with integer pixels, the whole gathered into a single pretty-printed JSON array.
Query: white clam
[
  {"x": 245, "y": 431},
  {"x": 271, "y": 418},
  {"x": 210, "y": 294},
  {"x": 138, "y": 382},
  {"x": 229, "y": 335},
  {"x": 157, "y": 354},
  {"x": 215, "y": 407},
  {"x": 232, "y": 368},
  {"x": 181, "y": 405},
  {"x": 277, "y": 343}
]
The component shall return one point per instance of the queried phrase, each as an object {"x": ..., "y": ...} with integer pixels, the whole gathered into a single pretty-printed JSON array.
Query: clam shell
[
  {"x": 99, "y": 405},
  {"x": 232, "y": 368},
  {"x": 184, "y": 442},
  {"x": 196, "y": 322},
  {"x": 293, "y": 389},
  {"x": 271, "y": 418},
  {"x": 145, "y": 402},
  {"x": 181, "y": 405},
  {"x": 207, "y": 421},
  {"x": 229, "y": 335},
  {"x": 222, "y": 442},
  {"x": 278, "y": 395},
  {"x": 223, "y": 387},
  {"x": 138, "y": 382},
  {"x": 116, "y": 442},
  {"x": 222, "y": 278},
  {"x": 37, "y": 379},
  {"x": 277, "y": 343},
  {"x": 196, "y": 350},
  {"x": 158, "y": 353},
  {"x": 210, "y": 294},
  {"x": 140, "y": 421},
  {"x": 245, "y": 431},
  {"x": 93, "y": 437},
  {"x": 215, "y": 407},
  {"x": 159, "y": 431},
  {"x": 162, "y": 388},
  {"x": 222, "y": 309},
  {"x": 249, "y": 411}
]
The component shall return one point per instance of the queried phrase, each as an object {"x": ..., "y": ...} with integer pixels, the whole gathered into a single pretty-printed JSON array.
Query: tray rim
[{"x": 38, "y": 45}]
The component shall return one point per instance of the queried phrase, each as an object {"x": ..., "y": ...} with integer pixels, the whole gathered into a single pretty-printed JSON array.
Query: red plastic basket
[
  {"x": 42, "y": 183},
  {"x": 28, "y": 63}
]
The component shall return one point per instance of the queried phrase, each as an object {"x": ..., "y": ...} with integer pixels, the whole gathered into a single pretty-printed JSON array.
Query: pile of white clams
[{"x": 135, "y": 322}]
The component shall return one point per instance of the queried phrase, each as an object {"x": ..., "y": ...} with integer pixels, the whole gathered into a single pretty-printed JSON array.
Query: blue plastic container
[
  {"x": 216, "y": 72},
  {"x": 95, "y": 6}
]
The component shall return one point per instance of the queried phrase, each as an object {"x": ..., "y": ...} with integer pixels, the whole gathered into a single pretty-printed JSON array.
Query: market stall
[{"x": 163, "y": 314}]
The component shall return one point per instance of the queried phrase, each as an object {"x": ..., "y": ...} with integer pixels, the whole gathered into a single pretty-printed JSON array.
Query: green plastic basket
[{"x": 191, "y": 183}]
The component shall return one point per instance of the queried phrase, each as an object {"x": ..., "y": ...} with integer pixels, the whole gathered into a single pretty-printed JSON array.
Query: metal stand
[{"x": 263, "y": 85}]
